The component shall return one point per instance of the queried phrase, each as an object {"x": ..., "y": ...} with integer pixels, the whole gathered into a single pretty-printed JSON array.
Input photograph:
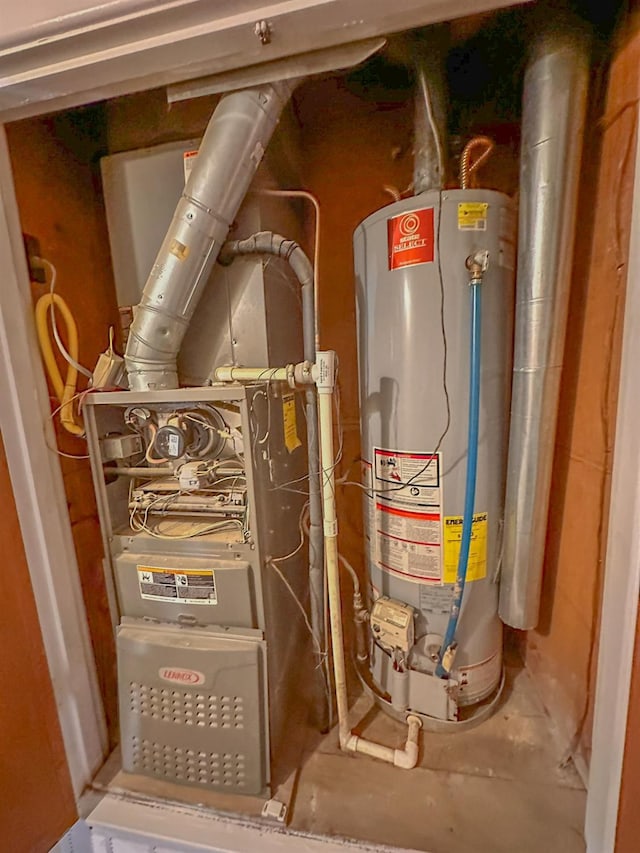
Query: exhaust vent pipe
[
  {"x": 232, "y": 148},
  {"x": 430, "y": 119},
  {"x": 553, "y": 123}
]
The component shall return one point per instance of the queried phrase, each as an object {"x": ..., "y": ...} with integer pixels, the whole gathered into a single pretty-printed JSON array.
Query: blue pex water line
[{"x": 448, "y": 645}]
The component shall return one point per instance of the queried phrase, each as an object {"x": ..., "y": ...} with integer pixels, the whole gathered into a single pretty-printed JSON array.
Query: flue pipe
[
  {"x": 231, "y": 150},
  {"x": 553, "y": 124},
  {"x": 430, "y": 118}
]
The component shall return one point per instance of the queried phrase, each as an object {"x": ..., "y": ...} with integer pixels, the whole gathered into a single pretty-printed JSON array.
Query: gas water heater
[
  {"x": 204, "y": 535},
  {"x": 414, "y": 340}
]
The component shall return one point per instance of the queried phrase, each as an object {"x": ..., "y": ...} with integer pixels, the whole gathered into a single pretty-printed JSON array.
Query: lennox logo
[{"x": 181, "y": 676}]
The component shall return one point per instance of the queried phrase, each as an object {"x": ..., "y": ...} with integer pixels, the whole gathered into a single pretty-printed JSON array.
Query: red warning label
[{"x": 411, "y": 238}]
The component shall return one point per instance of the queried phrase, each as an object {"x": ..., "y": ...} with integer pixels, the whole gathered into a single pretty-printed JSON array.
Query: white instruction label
[
  {"x": 408, "y": 514},
  {"x": 188, "y": 162},
  {"x": 178, "y": 586},
  {"x": 435, "y": 599}
]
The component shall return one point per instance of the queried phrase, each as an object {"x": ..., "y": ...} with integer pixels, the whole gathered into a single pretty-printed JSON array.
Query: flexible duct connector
[
  {"x": 230, "y": 153},
  {"x": 553, "y": 123}
]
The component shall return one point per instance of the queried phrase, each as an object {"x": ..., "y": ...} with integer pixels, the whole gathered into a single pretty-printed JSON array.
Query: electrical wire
[
  {"x": 323, "y": 654},
  {"x": 142, "y": 526},
  {"x": 78, "y": 396},
  {"x": 305, "y": 477},
  {"x": 372, "y": 492},
  {"x": 56, "y": 334},
  {"x": 153, "y": 460}
]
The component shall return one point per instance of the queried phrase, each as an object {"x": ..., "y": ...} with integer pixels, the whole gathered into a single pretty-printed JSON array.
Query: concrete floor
[{"x": 498, "y": 788}]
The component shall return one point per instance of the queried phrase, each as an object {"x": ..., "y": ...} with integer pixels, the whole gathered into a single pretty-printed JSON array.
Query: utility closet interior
[{"x": 333, "y": 363}]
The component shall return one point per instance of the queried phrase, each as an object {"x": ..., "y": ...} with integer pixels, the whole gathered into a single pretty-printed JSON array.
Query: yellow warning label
[
  {"x": 472, "y": 216},
  {"x": 477, "y": 567},
  {"x": 291, "y": 439}
]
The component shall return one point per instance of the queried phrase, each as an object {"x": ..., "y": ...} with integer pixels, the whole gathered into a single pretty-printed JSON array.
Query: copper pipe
[{"x": 467, "y": 167}]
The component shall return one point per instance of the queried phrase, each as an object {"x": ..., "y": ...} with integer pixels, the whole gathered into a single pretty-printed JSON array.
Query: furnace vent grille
[
  {"x": 188, "y": 765},
  {"x": 186, "y": 708}
]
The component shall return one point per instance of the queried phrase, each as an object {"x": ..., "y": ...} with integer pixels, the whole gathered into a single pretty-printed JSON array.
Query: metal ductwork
[
  {"x": 430, "y": 118},
  {"x": 231, "y": 151},
  {"x": 555, "y": 94}
]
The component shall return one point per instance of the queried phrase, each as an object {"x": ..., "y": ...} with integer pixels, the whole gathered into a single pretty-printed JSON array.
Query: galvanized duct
[
  {"x": 555, "y": 91},
  {"x": 230, "y": 153},
  {"x": 430, "y": 117}
]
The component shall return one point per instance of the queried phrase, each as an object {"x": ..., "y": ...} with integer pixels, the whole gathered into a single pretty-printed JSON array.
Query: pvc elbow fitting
[{"x": 407, "y": 758}]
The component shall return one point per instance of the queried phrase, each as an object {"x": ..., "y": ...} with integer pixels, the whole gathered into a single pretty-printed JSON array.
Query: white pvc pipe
[
  {"x": 324, "y": 373},
  {"x": 406, "y": 758},
  {"x": 252, "y": 374}
]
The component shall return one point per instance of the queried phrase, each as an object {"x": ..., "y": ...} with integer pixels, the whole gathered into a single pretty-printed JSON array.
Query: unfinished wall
[
  {"x": 59, "y": 203},
  {"x": 562, "y": 652},
  {"x": 352, "y": 147},
  {"x": 37, "y": 804}
]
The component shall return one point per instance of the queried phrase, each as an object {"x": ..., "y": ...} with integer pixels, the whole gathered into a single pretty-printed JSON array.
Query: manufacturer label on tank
[
  {"x": 435, "y": 599},
  {"x": 472, "y": 216},
  {"x": 477, "y": 565},
  {"x": 411, "y": 238},
  {"x": 177, "y": 586},
  {"x": 408, "y": 514}
]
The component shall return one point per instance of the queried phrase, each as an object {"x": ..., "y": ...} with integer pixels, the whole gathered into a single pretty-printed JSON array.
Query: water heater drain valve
[{"x": 392, "y": 623}]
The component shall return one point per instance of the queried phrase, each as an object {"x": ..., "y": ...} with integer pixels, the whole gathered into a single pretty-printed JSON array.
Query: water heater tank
[{"x": 414, "y": 306}]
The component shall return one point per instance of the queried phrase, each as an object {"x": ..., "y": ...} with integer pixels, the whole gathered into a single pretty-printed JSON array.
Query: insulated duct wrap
[
  {"x": 555, "y": 90},
  {"x": 229, "y": 156}
]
